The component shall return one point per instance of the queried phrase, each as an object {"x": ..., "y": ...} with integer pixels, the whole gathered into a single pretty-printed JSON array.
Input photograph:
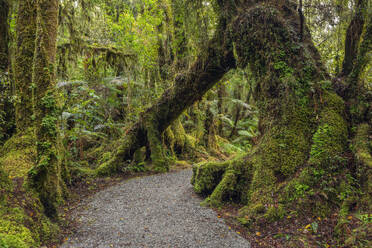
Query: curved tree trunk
[{"x": 189, "y": 87}]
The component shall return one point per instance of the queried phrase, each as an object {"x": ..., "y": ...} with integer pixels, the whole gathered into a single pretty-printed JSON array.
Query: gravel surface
[{"x": 154, "y": 211}]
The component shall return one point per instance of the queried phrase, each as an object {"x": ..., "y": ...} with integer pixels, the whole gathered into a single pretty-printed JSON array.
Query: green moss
[
  {"x": 179, "y": 134},
  {"x": 108, "y": 167},
  {"x": 158, "y": 159},
  {"x": 18, "y": 233},
  {"x": 227, "y": 181},
  {"x": 24, "y": 222},
  {"x": 5, "y": 183},
  {"x": 18, "y": 154},
  {"x": 170, "y": 139},
  {"x": 139, "y": 156},
  {"x": 330, "y": 139},
  {"x": 18, "y": 162},
  {"x": 275, "y": 213},
  {"x": 19, "y": 141},
  {"x": 12, "y": 241},
  {"x": 225, "y": 189},
  {"x": 362, "y": 148},
  {"x": 105, "y": 157},
  {"x": 206, "y": 176},
  {"x": 262, "y": 186}
]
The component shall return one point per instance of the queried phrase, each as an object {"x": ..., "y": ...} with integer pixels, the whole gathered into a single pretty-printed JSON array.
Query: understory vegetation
[{"x": 269, "y": 103}]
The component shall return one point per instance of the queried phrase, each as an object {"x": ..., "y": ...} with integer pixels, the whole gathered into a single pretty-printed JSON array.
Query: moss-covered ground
[{"x": 22, "y": 220}]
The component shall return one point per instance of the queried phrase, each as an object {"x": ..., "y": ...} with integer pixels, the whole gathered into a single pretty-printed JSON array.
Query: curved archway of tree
[{"x": 304, "y": 149}]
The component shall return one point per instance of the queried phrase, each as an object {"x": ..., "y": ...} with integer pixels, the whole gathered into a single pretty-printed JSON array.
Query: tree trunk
[
  {"x": 45, "y": 177},
  {"x": 353, "y": 35},
  {"x": 6, "y": 107},
  {"x": 26, "y": 30},
  {"x": 4, "y": 38}
]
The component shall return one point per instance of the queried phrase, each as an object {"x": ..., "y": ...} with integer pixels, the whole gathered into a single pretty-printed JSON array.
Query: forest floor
[{"x": 152, "y": 211}]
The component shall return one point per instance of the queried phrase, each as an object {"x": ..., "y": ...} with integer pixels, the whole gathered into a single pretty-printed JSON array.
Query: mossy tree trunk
[
  {"x": 45, "y": 177},
  {"x": 6, "y": 107},
  {"x": 26, "y": 31},
  {"x": 4, "y": 38}
]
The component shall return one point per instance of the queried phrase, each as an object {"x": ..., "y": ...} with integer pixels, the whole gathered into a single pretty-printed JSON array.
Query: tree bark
[
  {"x": 26, "y": 31},
  {"x": 6, "y": 107},
  {"x": 45, "y": 177},
  {"x": 353, "y": 35},
  {"x": 4, "y": 38}
]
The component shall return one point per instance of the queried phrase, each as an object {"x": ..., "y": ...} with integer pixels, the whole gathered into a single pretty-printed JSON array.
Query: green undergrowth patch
[
  {"x": 22, "y": 220},
  {"x": 18, "y": 155}
]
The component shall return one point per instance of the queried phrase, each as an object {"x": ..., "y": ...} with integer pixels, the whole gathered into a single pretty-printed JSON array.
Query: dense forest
[{"x": 268, "y": 101}]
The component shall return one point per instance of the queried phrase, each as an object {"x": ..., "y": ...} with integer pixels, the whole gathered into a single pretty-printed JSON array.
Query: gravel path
[{"x": 155, "y": 211}]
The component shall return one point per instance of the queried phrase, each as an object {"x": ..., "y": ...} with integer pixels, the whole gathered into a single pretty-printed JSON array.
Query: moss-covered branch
[{"x": 189, "y": 87}]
